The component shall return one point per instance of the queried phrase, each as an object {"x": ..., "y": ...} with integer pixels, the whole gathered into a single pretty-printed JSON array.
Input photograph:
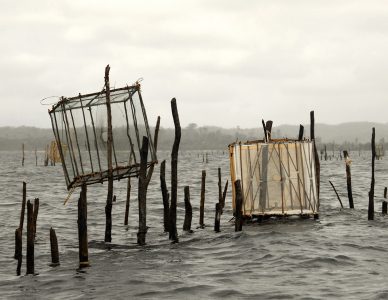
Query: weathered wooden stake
[
  {"x": 325, "y": 153},
  {"x": 202, "y": 204},
  {"x": 30, "y": 238},
  {"x": 316, "y": 157},
  {"x": 224, "y": 196},
  {"x": 142, "y": 190},
  {"x": 83, "y": 229},
  {"x": 23, "y": 155},
  {"x": 188, "y": 210},
  {"x": 18, "y": 250},
  {"x": 348, "y": 179},
  {"x": 54, "y": 248},
  {"x": 301, "y": 130},
  {"x": 36, "y": 211},
  {"x": 268, "y": 128},
  {"x": 109, "y": 200},
  {"x": 371, "y": 206},
  {"x": 174, "y": 172},
  {"x": 165, "y": 196},
  {"x": 238, "y": 212},
  {"x": 127, "y": 201},
  {"x": 338, "y": 197},
  {"x": 385, "y": 204},
  {"x": 217, "y": 218},
  {"x": 219, "y": 186},
  {"x": 22, "y": 212}
]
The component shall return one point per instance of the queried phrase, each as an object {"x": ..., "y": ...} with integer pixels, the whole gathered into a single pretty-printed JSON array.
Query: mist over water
[{"x": 340, "y": 255}]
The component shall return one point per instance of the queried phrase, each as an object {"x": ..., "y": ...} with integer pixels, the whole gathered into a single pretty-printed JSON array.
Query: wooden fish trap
[
  {"x": 278, "y": 177},
  {"x": 80, "y": 128}
]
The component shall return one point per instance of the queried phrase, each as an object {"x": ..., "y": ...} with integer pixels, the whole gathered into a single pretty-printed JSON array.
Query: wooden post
[
  {"x": 217, "y": 218},
  {"x": 238, "y": 213},
  {"x": 188, "y": 210},
  {"x": 338, "y": 197},
  {"x": 83, "y": 229},
  {"x": 202, "y": 204},
  {"x": 224, "y": 196},
  {"x": 174, "y": 171},
  {"x": 165, "y": 196},
  {"x": 268, "y": 128},
  {"x": 36, "y": 158},
  {"x": 371, "y": 206},
  {"x": 23, "y": 205},
  {"x": 348, "y": 179},
  {"x": 142, "y": 192},
  {"x": 301, "y": 130},
  {"x": 36, "y": 211},
  {"x": 219, "y": 186},
  {"x": 385, "y": 204},
  {"x": 54, "y": 248},
  {"x": 316, "y": 157},
  {"x": 18, "y": 250},
  {"x": 23, "y": 155},
  {"x": 30, "y": 238},
  {"x": 109, "y": 200},
  {"x": 127, "y": 201}
]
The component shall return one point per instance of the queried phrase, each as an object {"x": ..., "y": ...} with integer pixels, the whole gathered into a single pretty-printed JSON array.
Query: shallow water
[{"x": 340, "y": 255}]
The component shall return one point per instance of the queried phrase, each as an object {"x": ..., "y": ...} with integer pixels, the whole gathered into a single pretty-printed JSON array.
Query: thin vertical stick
[
  {"x": 86, "y": 133},
  {"x": 142, "y": 190},
  {"x": 238, "y": 213},
  {"x": 188, "y": 210},
  {"x": 316, "y": 157},
  {"x": 371, "y": 206},
  {"x": 348, "y": 179},
  {"x": 165, "y": 196},
  {"x": 224, "y": 195},
  {"x": 23, "y": 205},
  {"x": 36, "y": 211},
  {"x": 219, "y": 186},
  {"x": 23, "y": 155},
  {"x": 385, "y": 204},
  {"x": 338, "y": 197},
  {"x": 18, "y": 250},
  {"x": 217, "y": 218},
  {"x": 108, "y": 206},
  {"x": 174, "y": 171},
  {"x": 127, "y": 201},
  {"x": 202, "y": 204},
  {"x": 36, "y": 157},
  {"x": 54, "y": 248},
  {"x": 83, "y": 229},
  {"x": 30, "y": 238}
]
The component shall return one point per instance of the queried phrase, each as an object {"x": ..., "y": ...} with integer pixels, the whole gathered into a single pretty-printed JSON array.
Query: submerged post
[
  {"x": 23, "y": 155},
  {"x": 301, "y": 130},
  {"x": 22, "y": 212},
  {"x": 83, "y": 229},
  {"x": 142, "y": 190},
  {"x": 35, "y": 217},
  {"x": 18, "y": 250},
  {"x": 174, "y": 171},
  {"x": 202, "y": 204},
  {"x": 30, "y": 238},
  {"x": 238, "y": 212},
  {"x": 109, "y": 200},
  {"x": 384, "y": 206},
  {"x": 127, "y": 201},
  {"x": 54, "y": 248},
  {"x": 348, "y": 178},
  {"x": 371, "y": 206},
  {"x": 188, "y": 210},
  {"x": 217, "y": 218},
  {"x": 316, "y": 157},
  {"x": 165, "y": 196}
]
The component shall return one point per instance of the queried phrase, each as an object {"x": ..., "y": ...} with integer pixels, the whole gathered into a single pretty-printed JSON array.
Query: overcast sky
[{"x": 228, "y": 63}]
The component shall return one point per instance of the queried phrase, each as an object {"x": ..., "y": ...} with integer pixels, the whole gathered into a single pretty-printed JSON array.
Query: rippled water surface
[{"x": 340, "y": 255}]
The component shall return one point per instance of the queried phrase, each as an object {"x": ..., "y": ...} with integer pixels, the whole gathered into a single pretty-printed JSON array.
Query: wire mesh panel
[
  {"x": 277, "y": 178},
  {"x": 81, "y": 132}
]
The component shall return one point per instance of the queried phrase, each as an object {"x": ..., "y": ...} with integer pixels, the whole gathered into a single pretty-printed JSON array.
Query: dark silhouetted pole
[
  {"x": 83, "y": 229},
  {"x": 202, "y": 203},
  {"x": 238, "y": 213},
  {"x": 54, "y": 248},
  {"x": 301, "y": 130},
  {"x": 30, "y": 238},
  {"x": 36, "y": 211},
  {"x": 141, "y": 235},
  {"x": 165, "y": 196},
  {"x": 188, "y": 210},
  {"x": 338, "y": 197},
  {"x": 384, "y": 205},
  {"x": 18, "y": 250},
  {"x": 127, "y": 201},
  {"x": 348, "y": 178},
  {"x": 371, "y": 206}
]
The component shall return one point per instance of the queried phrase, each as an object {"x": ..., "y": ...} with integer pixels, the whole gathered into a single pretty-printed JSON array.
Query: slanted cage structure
[
  {"x": 81, "y": 132},
  {"x": 277, "y": 177}
]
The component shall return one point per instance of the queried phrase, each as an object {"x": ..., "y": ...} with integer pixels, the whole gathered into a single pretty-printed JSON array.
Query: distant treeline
[{"x": 349, "y": 136}]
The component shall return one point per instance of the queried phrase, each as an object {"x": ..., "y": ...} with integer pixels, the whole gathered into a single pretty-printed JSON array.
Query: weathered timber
[
  {"x": 202, "y": 203},
  {"x": 165, "y": 196},
  {"x": 385, "y": 203},
  {"x": 54, "y": 248},
  {"x": 301, "y": 130},
  {"x": 22, "y": 212},
  {"x": 238, "y": 212},
  {"x": 217, "y": 218},
  {"x": 348, "y": 179},
  {"x": 188, "y": 210},
  {"x": 316, "y": 157},
  {"x": 338, "y": 197},
  {"x": 23, "y": 155},
  {"x": 224, "y": 196},
  {"x": 325, "y": 152},
  {"x": 219, "y": 186},
  {"x": 83, "y": 229},
  {"x": 109, "y": 200},
  {"x": 30, "y": 238},
  {"x": 142, "y": 193},
  {"x": 18, "y": 250},
  {"x": 371, "y": 206},
  {"x": 174, "y": 172},
  {"x": 36, "y": 157},
  {"x": 36, "y": 211},
  {"x": 127, "y": 202},
  {"x": 268, "y": 129}
]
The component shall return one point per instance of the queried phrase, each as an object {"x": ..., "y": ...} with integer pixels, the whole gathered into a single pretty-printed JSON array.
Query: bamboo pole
[
  {"x": 109, "y": 200},
  {"x": 174, "y": 172},
  {"x": 188, "y": 210},
  {"x": 202, "y": 203},
  {"x": 83, "y": 228},
  {"x": 142, "y": 190},
  {"x": 165, "y": 196},
  {"x": 127, "y": 201},
  {"x": 30, "y": 238},
  {"x": 54, "y": 248},
  {"x": 371, "y": 206}
]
